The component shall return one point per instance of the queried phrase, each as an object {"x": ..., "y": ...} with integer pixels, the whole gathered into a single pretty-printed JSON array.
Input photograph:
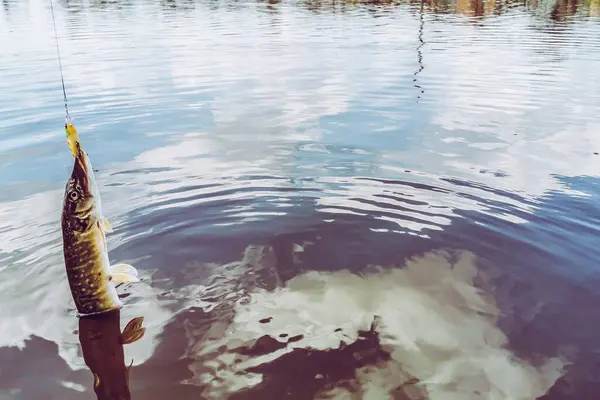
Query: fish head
[{"x": 80, "y": 201}]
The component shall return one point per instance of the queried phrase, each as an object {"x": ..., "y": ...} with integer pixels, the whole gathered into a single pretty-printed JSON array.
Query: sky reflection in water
[{"x": 252, "y": 154}]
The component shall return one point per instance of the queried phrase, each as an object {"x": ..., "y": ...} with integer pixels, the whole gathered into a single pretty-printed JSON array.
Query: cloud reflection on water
[{"x": 437, "y": 327}]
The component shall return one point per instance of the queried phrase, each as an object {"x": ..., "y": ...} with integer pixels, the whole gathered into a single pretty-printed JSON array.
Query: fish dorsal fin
[
  {"x": 123, "y": 273},
  {"x": 106, "y": 225},
  {"x": 133, "y": 331}
]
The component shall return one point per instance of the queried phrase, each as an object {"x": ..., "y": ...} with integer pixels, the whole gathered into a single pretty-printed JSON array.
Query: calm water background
[{"x": 241, "y": 144}]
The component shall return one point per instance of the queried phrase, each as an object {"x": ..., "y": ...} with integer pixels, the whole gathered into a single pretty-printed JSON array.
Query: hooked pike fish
[
  {"x": 102, "y": 345},
  {"x": 91, "y": 277}
]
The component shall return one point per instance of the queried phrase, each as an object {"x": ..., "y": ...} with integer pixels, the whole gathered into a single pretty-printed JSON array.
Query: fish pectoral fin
[
  {"x": 106, "y": 225},
  {"x": 123, "y": 273},
  {"x": 133, "y": 331}
]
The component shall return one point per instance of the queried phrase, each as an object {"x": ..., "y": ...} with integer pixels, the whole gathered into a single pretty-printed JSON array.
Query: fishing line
[{"x": 62, "y": 79}]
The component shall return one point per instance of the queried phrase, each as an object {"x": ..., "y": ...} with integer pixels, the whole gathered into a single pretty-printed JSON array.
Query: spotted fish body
[{"x": 90, "y": 275}]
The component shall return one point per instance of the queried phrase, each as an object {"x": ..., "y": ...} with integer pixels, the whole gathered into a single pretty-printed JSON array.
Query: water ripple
[{"x": 241, "y": 146}]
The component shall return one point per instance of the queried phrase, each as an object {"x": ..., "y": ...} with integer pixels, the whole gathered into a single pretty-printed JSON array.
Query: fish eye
[{"x": 73, "y": 195}]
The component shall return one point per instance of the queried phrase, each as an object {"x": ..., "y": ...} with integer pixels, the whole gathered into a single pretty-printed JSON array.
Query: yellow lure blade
[{"x": 72, "y": 138}]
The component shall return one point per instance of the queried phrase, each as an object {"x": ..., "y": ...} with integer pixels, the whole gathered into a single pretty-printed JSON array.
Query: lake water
[{"x": 324, "y": 199}]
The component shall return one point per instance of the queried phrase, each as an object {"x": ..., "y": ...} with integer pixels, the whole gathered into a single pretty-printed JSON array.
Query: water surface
[{"x": 324, "y": 199}]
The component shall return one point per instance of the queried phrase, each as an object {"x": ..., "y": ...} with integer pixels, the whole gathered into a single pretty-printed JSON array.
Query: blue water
[{"x": 243, "y": 146}]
